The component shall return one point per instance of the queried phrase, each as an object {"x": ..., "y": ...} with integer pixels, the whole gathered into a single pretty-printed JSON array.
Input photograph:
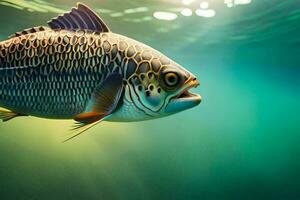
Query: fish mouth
[
  {"x": 185, "y": 95},
  {"x": 184, "y": 99}
]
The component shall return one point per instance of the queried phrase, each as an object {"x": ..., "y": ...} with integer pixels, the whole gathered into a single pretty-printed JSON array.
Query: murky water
[{"x": 241, "y": 142}]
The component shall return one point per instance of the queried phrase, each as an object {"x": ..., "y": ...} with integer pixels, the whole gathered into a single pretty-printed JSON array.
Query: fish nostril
[
  {"x": 147, "y": 93},
  {"x": 159, "y": 90}
]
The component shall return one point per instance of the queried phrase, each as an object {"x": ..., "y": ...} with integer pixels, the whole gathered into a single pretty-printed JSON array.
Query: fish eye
[{"x": 171, "y": 79}]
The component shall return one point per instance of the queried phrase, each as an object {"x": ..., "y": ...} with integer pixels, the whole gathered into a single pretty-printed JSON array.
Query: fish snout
[{"x": 193, "y": 80}]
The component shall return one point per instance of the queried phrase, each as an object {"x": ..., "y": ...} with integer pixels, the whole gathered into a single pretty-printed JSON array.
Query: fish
[{"x": 77, "y": 68}]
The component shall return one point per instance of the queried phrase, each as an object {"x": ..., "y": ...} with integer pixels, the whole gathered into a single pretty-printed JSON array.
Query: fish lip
[
  {"x": 185, "y": 95},
  {"x": 183, "y": 99}
]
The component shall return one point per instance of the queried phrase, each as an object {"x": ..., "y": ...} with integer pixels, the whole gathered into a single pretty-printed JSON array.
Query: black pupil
[{"x": 171, "y": 79}]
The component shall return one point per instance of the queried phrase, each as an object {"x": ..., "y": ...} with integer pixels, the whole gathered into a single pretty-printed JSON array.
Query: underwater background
[{"x": 241, "y": 142}]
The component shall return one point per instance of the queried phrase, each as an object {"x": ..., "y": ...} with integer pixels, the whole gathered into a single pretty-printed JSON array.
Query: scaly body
[
  {"x": 78, "y": 69},
  {"x": 52, "y": 74}
]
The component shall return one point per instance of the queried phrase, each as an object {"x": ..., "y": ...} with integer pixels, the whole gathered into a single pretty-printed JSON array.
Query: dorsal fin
[
  {"x": 80, "y": 18},
  {"x": 28, "y": 31}
]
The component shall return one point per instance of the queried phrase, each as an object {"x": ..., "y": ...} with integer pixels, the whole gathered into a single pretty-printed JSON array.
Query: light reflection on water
[{"x": 260, "y": 20}]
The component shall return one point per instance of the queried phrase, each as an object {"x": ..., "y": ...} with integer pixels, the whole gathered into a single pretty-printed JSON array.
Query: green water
[{"x": 241, "y": 142}]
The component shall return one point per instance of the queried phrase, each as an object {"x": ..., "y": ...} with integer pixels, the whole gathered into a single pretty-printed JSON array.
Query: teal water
[{"x": 241, "y": 142}]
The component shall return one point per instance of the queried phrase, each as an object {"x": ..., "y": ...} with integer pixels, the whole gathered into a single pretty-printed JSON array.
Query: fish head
[
  {"x": 176, "y": 82},
  {"x": 163, "y": 89}
]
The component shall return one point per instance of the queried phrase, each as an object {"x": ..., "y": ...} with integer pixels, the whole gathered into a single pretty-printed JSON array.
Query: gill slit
[
  {"x": 143, "y": 103},
  {"x": 136, "y": 104}
]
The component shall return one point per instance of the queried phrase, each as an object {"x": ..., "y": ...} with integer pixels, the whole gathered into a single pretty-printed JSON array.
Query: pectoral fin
[
  {"x": 104, "y": 100},
  {"x": 89, "y": 117},
  {"x": 103, "y": 103}
]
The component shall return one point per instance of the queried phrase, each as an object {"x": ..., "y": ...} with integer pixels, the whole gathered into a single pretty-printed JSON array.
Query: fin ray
[
  {"x": 85, "y": 128},
  {"x": 6, "y": 115},
  {"x": 107, "y": 95},
  {"x": 79, "y": 18}
]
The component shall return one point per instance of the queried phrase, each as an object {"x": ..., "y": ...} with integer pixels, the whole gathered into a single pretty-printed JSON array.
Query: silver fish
[{"x": 78, "y": 69}]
